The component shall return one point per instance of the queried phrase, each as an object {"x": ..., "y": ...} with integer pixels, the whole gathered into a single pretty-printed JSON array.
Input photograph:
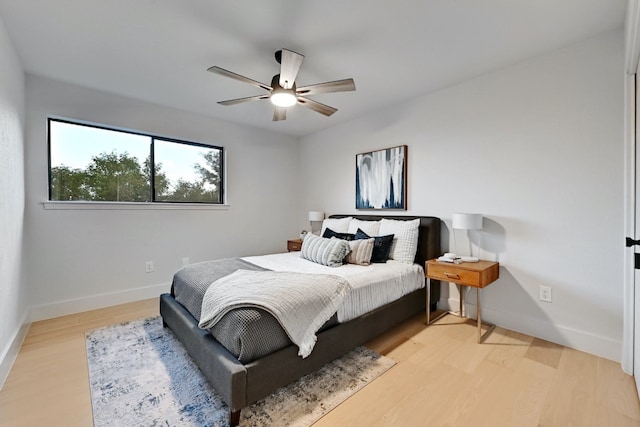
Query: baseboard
[
  {"x": 11, "y": 351},
  {"x": 93, "y": 302},
  {"x": 569, "y": 337}
]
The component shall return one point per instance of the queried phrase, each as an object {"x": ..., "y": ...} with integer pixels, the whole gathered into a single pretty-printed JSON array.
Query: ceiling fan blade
[
  {"x": 345, "y": 85},
  {"x": 316, "y": 106},
  {"x": 279, "y": 113},
  {"x": 241, "y": 100},
  {"x": 231, "y": 74},
  {"x": 290, "y": 63}
]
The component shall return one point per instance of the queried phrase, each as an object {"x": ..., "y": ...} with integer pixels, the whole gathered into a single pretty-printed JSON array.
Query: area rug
[{"x": 141, "y": 375}]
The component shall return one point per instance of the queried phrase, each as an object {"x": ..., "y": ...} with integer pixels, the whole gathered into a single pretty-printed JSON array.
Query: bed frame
[{"x": 243, "y": 384}]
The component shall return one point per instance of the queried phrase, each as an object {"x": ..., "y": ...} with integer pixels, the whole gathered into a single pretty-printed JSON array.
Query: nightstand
[
  {"x": 475, "y": 274},
  {"x": 294, "y": 245}
]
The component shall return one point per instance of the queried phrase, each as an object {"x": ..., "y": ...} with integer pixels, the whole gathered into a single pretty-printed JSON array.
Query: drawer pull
[{"x": 452, "y": 275}]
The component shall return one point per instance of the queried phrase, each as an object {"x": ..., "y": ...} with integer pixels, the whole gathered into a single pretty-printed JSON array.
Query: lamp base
[{"x": 469, "y": 259}]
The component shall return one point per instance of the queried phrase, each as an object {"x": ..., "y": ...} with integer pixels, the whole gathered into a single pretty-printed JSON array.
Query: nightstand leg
[
  {"x": 460, "y": 298},
  {"x": 428, "y": 301},
  {"x": 479, "y": 316},
  {"x": 429, "y": 305},
  {"x": 482, "y": 337}
]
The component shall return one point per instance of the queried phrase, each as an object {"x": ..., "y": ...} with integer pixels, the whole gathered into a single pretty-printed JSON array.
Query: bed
[{"x": 240, "y": 383}]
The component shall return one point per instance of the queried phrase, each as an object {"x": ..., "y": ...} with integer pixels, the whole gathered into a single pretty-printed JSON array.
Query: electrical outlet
[
  {"x": 545, "y": 293},
  {"x": 185, "y": 261},
  {"x": 148, "y": 266}
]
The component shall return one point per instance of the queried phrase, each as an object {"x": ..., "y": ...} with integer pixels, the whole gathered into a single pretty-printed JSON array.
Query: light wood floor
[{"x": 442, "y": 378}]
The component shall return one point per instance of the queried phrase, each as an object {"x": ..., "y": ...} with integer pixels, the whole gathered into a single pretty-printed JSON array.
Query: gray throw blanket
[
  {"x": 301, "y": 302},
  {"x": 191, "y": 282}
]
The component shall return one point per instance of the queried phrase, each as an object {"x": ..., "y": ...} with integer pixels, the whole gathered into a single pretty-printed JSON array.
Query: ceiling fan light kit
[
  {"x": 283, "y": 91},
  {"x": 281, "y": 97}
]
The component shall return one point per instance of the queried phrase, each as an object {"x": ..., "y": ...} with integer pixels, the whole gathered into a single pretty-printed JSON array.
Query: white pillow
[
  {"x": 369, "y": 227},
  {"x": 339, "y": 225},
  {"x": 405, "y": 238}
]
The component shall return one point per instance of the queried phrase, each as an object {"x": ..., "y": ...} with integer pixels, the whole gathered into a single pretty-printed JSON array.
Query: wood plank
[
  {"x": 509, "y": 347},
  {"x": 616, "y": 391},
  {"x": 442, "y": 378},
  {"x": 544, "y": 352},
  {"x": 51, "y": 368},
  {"x": 572, "y": 397}
]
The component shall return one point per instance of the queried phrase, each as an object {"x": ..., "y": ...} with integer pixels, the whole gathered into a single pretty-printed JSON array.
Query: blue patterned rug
[{"x": 140, "y": 375}]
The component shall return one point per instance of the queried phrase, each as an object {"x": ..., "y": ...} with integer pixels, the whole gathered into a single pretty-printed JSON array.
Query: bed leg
[
  {"x": 164, "y": 324},
  {"x": 234, "y": 418}
]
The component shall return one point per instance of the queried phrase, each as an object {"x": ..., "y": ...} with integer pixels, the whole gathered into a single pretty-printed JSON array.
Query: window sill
[{"x": 60, "y": 205}]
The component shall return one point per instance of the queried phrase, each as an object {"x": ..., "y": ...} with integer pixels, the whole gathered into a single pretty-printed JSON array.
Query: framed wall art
[{"x": 381, "y": 179}]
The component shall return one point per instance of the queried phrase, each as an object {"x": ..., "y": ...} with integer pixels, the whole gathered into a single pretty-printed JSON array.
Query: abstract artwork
[{"x": 381, "y": 179}]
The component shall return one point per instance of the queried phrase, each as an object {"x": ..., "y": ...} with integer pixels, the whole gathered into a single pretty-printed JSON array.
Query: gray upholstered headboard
[{"x": 428, "y": 241}]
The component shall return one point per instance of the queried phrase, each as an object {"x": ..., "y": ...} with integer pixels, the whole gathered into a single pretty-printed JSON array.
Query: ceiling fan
[{"x": 283, "y": 92}]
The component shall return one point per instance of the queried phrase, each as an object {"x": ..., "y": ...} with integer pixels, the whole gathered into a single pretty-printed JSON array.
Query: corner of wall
[{"x": 10, "y": 353}]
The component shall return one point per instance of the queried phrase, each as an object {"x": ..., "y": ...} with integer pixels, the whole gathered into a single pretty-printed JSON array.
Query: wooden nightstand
[
  {"x": 294, "y": 245},
  {"x": 476, "y": 274}
]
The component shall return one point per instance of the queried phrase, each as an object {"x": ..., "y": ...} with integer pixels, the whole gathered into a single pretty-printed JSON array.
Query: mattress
[
  {"x": 372, "y": 286},
  {"x": 250, "y": 333}
]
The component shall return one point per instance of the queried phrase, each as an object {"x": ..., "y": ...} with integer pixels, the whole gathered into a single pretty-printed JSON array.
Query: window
[{"x": 93, "y": 163}]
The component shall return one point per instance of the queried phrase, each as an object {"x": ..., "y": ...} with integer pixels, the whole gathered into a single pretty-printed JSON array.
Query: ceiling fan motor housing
[{"x": 275, "y": 84}]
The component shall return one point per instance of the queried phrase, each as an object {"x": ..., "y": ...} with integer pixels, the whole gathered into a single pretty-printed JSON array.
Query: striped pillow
[
  {"x": 329, "y": 252},
  {"x": 361, "y": 251}
]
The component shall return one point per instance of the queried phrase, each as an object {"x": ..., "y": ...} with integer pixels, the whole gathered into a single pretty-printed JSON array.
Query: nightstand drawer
[
  {"x": 294, "y": 245},
  {"x": 449, "y": 273},
  {"x": 478, "y": 274}
]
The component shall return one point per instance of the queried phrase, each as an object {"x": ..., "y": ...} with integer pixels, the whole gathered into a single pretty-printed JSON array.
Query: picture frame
[{"x": 381, "y": 179}]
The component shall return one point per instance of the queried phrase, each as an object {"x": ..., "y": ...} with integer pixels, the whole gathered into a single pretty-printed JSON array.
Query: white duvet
[{"x": 372, "y": 286}]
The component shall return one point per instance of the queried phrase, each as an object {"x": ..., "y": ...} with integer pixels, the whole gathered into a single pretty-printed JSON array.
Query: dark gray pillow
[
  {"x": 381, "y": 246},
  {"x": 329, "y": 233}
]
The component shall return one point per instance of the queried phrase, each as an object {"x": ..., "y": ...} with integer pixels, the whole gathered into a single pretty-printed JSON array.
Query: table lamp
[
  {"x": 315, "y": 217},
  {"x": 467, "y": 221}
]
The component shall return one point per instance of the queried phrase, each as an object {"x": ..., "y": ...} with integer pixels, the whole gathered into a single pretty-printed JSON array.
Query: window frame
[{"x": 153, "y": 203}]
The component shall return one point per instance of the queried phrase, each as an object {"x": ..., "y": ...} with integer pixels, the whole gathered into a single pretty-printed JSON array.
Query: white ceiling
[{"x": 159, "y": 50}]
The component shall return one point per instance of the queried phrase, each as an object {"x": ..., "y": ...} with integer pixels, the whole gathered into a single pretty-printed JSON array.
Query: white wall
[
  {"x": 538, "y": 149},
  {"x": 82, "y": 259},
  {"x": 13, "y": 304}
]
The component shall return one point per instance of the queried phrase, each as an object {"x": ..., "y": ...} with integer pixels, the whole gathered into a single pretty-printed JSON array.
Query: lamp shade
[
  {"x": 466, "y": 221},
  {"x": 316, "y": 216}
]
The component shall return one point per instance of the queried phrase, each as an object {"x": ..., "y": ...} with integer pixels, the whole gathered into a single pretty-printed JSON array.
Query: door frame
[
  {"x": 632, "y": 56},
  {"x": 628, "y": 299}
]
